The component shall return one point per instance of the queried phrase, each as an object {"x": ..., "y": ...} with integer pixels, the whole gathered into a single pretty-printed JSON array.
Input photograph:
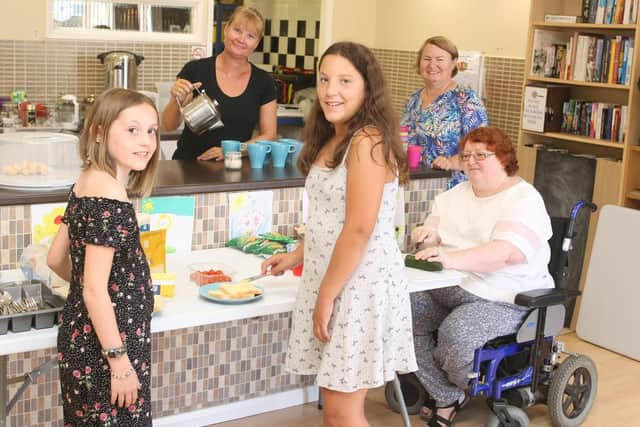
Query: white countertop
[{"x": 187, "y": 309}]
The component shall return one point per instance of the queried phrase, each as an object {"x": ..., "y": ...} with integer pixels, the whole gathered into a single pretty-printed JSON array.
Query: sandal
[
  {"x": 427, "y": 410},
  {"x": 437, "y": 421}
]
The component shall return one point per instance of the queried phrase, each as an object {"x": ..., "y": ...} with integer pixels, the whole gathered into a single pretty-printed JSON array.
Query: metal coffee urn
[{"x": 121, "y": 68}]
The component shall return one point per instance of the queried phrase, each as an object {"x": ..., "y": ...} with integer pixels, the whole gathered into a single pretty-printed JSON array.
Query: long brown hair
[
  {"x": 376, "y": 111},
  {"x": 104, "y": 112}
]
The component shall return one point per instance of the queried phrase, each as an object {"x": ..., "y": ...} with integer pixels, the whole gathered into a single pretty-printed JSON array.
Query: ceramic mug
[
  {"x": 293, "y": 155},
  {"x": 267, "y": 158},
  {"x": 229, "y": 145},
  {"x": 279, "y": 153},
  {"x": 257, "y": 153}
]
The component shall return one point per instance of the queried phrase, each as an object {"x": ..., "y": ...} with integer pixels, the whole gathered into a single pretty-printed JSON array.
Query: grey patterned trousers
[{"x": 464, "y": 323}]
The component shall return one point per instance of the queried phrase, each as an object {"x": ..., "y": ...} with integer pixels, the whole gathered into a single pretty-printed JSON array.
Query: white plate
[{"x": 54, "y": 179}]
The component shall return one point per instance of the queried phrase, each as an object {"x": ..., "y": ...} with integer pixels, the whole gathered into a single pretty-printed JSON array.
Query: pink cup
[{"x": 413, "y": 156}]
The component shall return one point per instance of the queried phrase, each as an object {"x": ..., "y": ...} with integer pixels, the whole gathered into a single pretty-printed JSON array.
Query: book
[
  {"x": 562, "y": 19},
  {"x": 544, "y": 51},
  {"x": 586, "y": 7}
]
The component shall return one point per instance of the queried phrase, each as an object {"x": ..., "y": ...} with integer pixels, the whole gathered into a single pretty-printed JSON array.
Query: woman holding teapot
[{"x": 245, "y": 93}]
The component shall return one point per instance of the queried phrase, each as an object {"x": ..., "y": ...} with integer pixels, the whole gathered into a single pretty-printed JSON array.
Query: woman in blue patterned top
[{"x": 441, "y": 113}]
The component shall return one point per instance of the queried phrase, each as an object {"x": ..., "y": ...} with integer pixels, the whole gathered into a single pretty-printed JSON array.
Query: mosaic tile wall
[
  {"x": 193, "y": 369},
  {"x": 50, "y": 68},
  {"x": 199, "y": 367},
  {"x": 210, "y": 229},
  {"x": 504, "y": 78}
]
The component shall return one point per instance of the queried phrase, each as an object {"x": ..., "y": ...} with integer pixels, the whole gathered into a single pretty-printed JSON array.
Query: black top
[{"x": 240, "y": 114}]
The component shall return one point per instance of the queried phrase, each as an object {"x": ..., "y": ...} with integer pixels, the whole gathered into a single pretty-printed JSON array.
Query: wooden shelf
[
  {"x": 577, "y": 83},
  {"x": 577, "y": 138},
  {"x": 585, "y": 26},
  {"x": 635, "y": 148},
  {"x": 633, "y": 195}
]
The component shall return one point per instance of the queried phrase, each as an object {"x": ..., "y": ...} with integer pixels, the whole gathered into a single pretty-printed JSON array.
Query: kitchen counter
[
  {"x": 182, "y": 177},
  {"x": 186, "y": 309}
]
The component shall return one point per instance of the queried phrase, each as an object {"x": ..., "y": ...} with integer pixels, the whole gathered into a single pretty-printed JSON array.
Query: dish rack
[{"x": 28, "y": 304}]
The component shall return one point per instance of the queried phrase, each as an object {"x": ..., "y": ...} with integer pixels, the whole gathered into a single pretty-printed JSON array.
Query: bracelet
[
  {"x": 123, "y": 376},
  {"x": 112, "y": 353}
]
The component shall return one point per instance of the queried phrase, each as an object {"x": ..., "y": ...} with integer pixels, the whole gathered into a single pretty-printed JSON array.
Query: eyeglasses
[{"x": 478, "y": 156}]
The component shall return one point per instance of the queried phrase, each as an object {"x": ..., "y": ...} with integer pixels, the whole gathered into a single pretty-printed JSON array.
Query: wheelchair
[{"x": 520, "y": 370}]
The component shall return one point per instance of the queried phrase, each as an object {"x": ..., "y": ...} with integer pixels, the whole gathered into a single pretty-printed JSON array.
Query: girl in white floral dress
[{"x": 352, "y": 321}]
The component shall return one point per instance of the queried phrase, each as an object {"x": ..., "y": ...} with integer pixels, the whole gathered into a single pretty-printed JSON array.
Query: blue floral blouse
[{"x": 440, "y": 126}]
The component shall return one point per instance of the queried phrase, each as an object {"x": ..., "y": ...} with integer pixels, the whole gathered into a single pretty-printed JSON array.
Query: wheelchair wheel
[
  {"x": 572, "y": 391},
  {"x": 518, "y": 416},
  {"x": 415, "y": 396}
]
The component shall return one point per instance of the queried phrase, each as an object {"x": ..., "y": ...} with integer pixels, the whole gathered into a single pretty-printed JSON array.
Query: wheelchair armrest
[{"x": 539, "y": 298}]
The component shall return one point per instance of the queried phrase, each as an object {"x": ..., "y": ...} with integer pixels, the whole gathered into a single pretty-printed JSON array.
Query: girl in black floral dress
[{"x": 104, "y": 337}]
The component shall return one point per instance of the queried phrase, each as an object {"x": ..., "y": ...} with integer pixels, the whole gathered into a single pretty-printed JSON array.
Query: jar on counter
[{"x": 233, "y": 160}]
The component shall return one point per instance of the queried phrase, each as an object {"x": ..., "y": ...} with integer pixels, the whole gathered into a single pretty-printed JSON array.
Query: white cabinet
[{"x": 166, "y": 21}]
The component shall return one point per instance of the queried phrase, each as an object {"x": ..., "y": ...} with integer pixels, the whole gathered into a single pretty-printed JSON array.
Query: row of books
[
  {"x": 597, "y": 120},
  {"x": 609, "y": 11},
  {"x": 582, "y": 57}
]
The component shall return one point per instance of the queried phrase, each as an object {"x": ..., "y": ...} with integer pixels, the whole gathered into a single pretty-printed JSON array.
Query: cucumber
[{"x": 422, "y": 264}]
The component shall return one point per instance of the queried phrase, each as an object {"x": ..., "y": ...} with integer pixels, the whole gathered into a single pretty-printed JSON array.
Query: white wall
[
  {"x": 22, "y": 20},
  {"x": 495, "y": 27}
]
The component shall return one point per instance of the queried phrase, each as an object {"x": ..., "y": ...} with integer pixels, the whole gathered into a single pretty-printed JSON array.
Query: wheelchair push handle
[{"x": 566, "y": 242}]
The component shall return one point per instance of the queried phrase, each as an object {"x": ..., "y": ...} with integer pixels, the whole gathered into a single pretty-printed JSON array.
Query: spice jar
[{"x": 233, "y": 160}]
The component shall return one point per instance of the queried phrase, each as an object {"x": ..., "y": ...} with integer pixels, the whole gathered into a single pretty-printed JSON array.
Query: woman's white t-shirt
[{"x": 516, "y": 215}]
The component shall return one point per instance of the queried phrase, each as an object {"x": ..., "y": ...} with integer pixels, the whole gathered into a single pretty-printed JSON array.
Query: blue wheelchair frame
[{"x": 527, "y": 382}]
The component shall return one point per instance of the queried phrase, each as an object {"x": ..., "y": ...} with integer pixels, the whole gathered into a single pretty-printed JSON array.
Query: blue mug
[
  {"x": 257, "y": 153},
  {"x": 293, "y": 155},
  {"x": 279, "y": 153},
  {"x": 231, "y": 145},
  {"x": 267, "y": 158}
]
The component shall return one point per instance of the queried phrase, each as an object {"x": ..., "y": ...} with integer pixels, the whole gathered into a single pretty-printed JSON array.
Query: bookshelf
[
  {"x": 622, "y": 154},
  {"x": 617, "y": 175}
]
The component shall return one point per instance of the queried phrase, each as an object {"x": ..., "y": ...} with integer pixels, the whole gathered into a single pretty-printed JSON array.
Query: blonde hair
[
  {"x": 444, "y": 44},
  {"x": 247, "y": 15},
  {"x": 103, "y": 113}
]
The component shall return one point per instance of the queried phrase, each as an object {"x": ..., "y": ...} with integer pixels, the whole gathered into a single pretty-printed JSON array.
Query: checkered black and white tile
[{"x": 289, "y": 43}]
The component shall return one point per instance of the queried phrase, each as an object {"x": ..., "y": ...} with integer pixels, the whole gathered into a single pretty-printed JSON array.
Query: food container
[
  {"x": 49, "y": 305},
  {"x": 205, "y": 273},
  {"x": 233, "y": 160},
  {"x": 36, "y": 160}
]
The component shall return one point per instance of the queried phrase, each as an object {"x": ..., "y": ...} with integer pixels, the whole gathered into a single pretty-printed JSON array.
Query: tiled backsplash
[
  {"x": 210, "y": 227},
  {"x": 50, "y": 68},
  {"x": 47, "y": 69},
  {"x": 289, "y": 43}
]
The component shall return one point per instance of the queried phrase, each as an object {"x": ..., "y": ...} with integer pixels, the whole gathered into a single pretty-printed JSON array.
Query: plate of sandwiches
[{"x": 232, "y": 293}]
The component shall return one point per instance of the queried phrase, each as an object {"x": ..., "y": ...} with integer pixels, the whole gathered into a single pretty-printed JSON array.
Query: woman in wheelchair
[{"x": 495, "y": 228}]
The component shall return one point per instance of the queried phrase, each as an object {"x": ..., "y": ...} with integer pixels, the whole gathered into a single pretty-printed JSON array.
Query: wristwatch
[{"x": 112, "y": 353}]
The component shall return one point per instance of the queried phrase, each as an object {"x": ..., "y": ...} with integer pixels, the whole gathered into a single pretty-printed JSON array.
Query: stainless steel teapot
[{"x": 201, "y": 114}]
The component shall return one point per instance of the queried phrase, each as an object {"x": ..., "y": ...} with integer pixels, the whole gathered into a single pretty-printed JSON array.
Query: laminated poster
[
  {"x": 250, "y": 213},
  {"x": 45, "y": 221},
  {"x": 471, "y": 71},
  {"x": 175, "y": 215}
]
